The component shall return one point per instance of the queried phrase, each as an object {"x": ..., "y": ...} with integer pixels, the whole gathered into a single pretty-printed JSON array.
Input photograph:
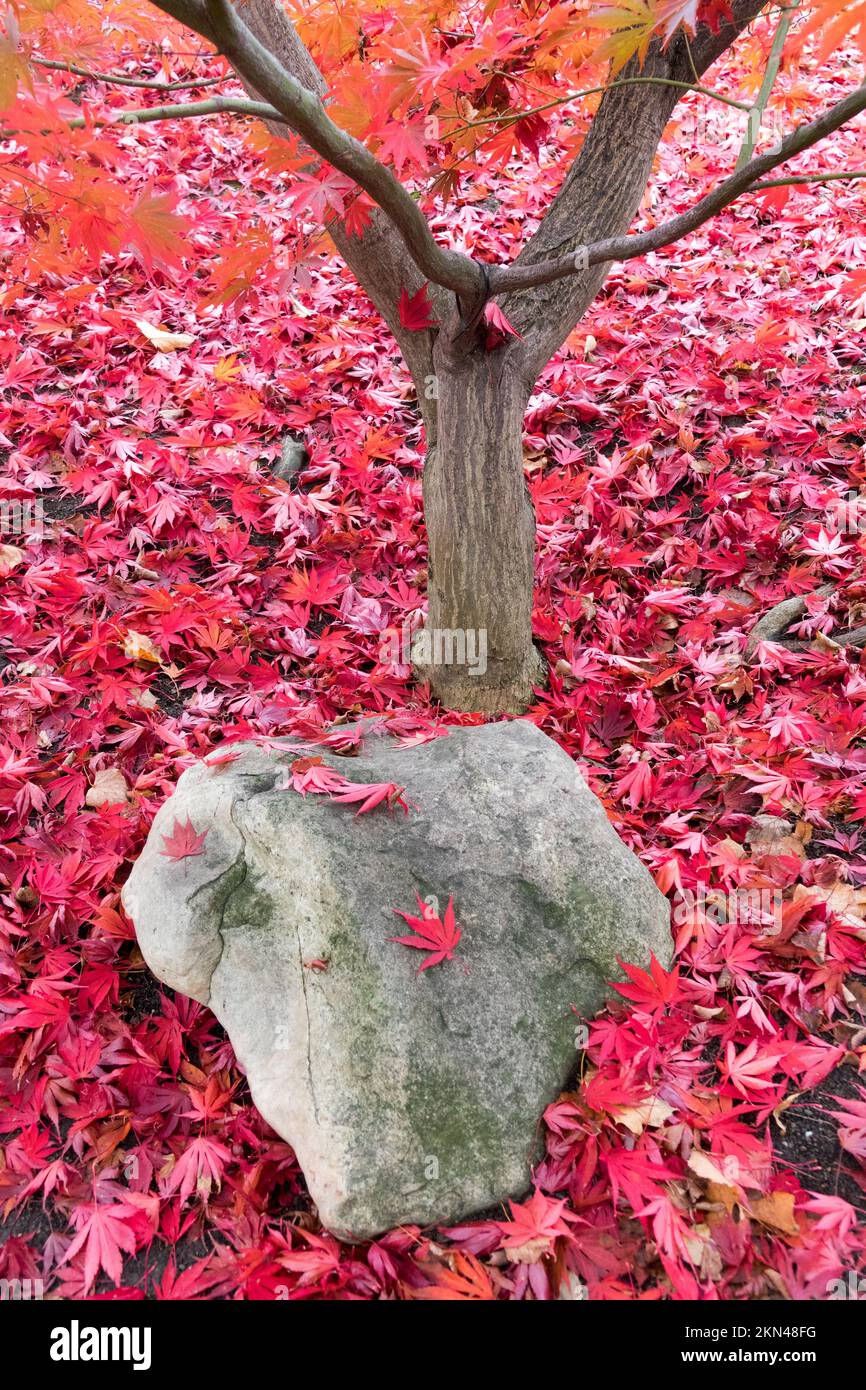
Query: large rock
[{"x": 407, "y": 1097}]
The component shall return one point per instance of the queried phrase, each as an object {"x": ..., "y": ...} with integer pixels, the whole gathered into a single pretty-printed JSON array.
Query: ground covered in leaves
[{"x": 687, "y": 454}]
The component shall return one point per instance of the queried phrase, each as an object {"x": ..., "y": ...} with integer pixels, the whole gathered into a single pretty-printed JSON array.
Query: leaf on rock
[
  {"x": 183, "y": 842},
  {"x": 439, "y": 936}
]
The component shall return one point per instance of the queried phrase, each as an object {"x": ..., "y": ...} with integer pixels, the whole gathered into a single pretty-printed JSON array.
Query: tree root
[{"x": 775, "y": 623}]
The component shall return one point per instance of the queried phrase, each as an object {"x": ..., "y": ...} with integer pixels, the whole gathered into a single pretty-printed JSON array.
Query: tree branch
[
  {"x": 184, "y": 110},
  {"x": 808, "y": 178},
  {"x": 603, "y": 188},
  {"x": 304, "y": 112},
  {"x": 120, "y": 80},
  {"x": 513, "y": 117},
  {"x": 599, "y": 197},
  {"x": 377, "y": 255},
  {"x": 192, "y": 13},
  {"x": 517, "y": 277}
]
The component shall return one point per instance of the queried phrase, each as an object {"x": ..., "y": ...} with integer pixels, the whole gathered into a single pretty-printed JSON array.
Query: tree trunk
[{"x": 477, "y": 649}]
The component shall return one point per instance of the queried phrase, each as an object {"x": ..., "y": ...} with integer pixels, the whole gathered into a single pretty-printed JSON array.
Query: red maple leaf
[
  {"x": 199, "y": 1168},
  {"x": 497, "y": 319},
  {"x": 371, "y": 794},
  {"x": 104, "y": 1233},
  {"x": 752, "y": 1069},
  {"x": 531, "y": 131},
  {"x": 534, "y": 1227},
  {"x": 183, "y": 842},
  {"x": 467, "y": 1279},
  {"x": 855, "y": 285},
  {"x": 314, "y": 775},
  {"x": 852, "y": 1127},
  {"x": 653, "y": 990},
  {"x": 437, "y": 935},
  {"x": 357, "y": 218},
  {"x": 220, "y": 759},
  {"x": 416, "y": 310}
]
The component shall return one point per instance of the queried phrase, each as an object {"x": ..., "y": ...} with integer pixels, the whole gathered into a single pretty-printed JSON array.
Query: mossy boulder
[{"x": 407, "y": 1097}]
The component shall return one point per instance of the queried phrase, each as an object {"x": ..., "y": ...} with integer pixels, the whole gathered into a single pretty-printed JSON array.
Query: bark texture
[{"x": 481, "y": 535}]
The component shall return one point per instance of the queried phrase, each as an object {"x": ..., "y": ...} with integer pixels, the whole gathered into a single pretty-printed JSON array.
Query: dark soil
[
  {"x": 169, "y": 696},
  {"x": 809, "y": 1142},
  {"x": 62, "y": 506}
]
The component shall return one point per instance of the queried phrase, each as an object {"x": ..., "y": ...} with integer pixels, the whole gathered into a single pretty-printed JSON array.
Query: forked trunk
[{"x": 477, "y": 648}]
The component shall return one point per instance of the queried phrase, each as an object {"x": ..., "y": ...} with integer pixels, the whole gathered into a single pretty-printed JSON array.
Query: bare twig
[
  {"x": 504, "y": 279},
  {"x": 756, "y": 113},
  {"x": 808, "y": 178},
  {"x": 303, "y": 111},
  {"x": 512, "y": 117},
  {"x": 213, "y": 106},
  {"x": 118, "y": 79}
]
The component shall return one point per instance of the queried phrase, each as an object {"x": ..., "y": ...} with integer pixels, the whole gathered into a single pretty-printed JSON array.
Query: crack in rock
[
  {"x": 240, "y": 859},
  {"x": 309, "y": 1030}
]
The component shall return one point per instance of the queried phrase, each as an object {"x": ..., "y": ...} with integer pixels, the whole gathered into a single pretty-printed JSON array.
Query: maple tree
[
  {"x": 687, "y": 453},
  {"x": 389, "y": 98}
]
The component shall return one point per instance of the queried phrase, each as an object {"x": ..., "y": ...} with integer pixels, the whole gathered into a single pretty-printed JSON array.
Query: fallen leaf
[
  {"x": 183, "y": 841},
  {"x": 10, "y": 558},
  {"x": 139, "y": 647},
  {"x": 777, "y": 1212},
  {"x": 162, "y": 339},
  {"x": 440, "y": 936},
  {"x": 109, "y": 787},
  {"x": 649, "y": 1114}
]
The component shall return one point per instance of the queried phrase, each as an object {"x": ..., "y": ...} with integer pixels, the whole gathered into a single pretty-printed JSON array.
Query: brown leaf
[
  {"x": 109, "y": 788},
  {"x": 139, "y": 647},
  {"x": 10, "y": 558},
  {"x": 777, "y": 1212}
]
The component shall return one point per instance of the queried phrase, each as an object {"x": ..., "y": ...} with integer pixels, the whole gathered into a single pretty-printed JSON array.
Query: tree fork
[{"x": 480, "y": 522}]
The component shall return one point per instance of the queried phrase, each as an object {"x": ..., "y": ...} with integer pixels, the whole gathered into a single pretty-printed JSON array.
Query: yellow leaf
[
  {"x": 138, "y": 647},
  {"x": 8, "y": 74},
  {"x": 227, "y": 368},
  {"x": 10, "y": 558},
  {"x": 161, "y": 339},
  {"x": 631, "y": 26}
]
